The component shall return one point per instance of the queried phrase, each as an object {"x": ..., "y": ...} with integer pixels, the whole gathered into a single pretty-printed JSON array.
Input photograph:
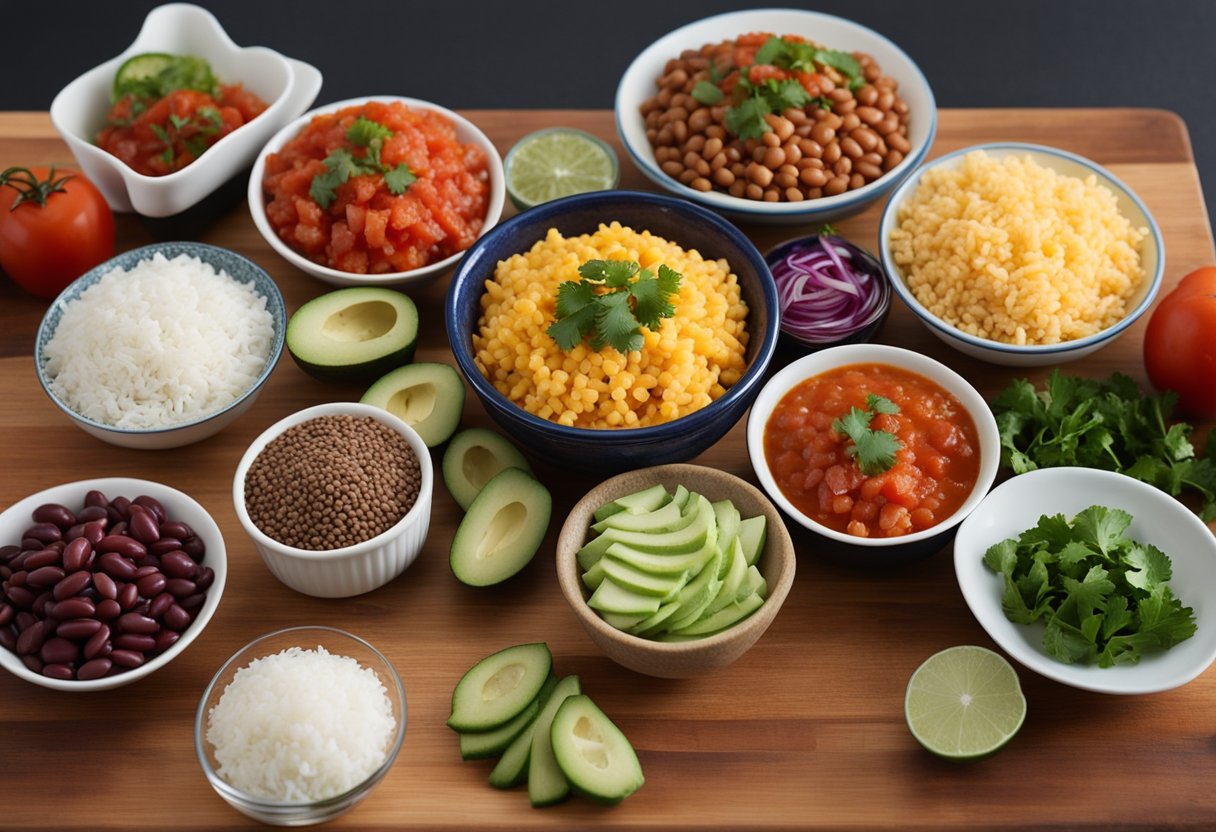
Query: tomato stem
[{"x": 30, "y": 188}]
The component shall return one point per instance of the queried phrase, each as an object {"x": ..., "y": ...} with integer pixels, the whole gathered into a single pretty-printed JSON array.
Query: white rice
[
  {"x": 167, "y": 342},
  {"x": 301, "y": 725}
]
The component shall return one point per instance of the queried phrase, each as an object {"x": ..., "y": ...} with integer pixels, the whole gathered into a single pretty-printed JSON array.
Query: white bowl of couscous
[{"x": 1020, "y": 254}]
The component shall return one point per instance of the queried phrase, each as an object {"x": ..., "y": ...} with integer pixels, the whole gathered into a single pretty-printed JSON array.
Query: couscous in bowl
[{"x": 671, "y": 437}]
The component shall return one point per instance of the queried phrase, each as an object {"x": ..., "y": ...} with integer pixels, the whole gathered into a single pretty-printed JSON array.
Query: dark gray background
[{"x": 570, "y": 53}]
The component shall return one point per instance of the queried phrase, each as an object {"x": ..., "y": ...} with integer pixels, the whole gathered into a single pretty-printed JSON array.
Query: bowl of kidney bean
[
  {"x": 104, "y": 581},
  {"x": 776, "y": 116}
]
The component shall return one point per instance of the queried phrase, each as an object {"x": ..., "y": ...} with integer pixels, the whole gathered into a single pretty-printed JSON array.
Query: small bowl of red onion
[{"x": 830, "y": 291}]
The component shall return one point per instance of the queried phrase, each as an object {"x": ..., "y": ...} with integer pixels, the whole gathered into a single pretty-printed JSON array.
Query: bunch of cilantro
[
  {"x": 611, "y": 303},
  {"x": 1103, "y": 597},
  {"x": 1105, "y": 424}
]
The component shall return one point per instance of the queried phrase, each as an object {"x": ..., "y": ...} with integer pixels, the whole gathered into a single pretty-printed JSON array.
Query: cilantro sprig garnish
[
  {"x": 874, "y": 450},
  {"x": 1104, "y": 424},
  {"x": 611, "y": 303},
  {"x": 1103, "y": 596},
  {"x": 341, "y": 163}
]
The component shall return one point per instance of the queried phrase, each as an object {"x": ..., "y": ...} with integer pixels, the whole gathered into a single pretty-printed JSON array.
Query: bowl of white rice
[
  {"x": 161, "y": 346},
  {"x": 300, "y": 725}
]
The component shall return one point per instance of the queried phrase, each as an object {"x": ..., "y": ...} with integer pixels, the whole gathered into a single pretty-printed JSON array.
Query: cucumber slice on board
[
  {"x": 502, "y": 530},
  {"x": 472, "y": 459},
  {"x": 595, "y": 757},
  {"x": 496, "y": 689},
  {"x": 481, "y": 744},
  {"x": 359, "y": 333},
  {"x": 514, "y": 765},
  {"x": 546, "y": 783},
  {"x": 427, "y": 397}
]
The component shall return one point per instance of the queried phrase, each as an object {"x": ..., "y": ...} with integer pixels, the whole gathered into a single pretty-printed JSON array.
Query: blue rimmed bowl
[
  {"x": 691, "y": 227},
  {"x": 638, "y": 84},
  {"x": 238, "y": 267},
  {"x": 1152, "y": 258}
]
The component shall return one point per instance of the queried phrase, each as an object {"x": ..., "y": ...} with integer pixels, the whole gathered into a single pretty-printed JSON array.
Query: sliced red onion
[{"x": 828, "y": 290}]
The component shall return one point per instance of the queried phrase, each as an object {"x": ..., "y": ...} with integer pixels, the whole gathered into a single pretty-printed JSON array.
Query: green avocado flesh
[
  {"x": 499, "y": 687},
  {"x": 473, "y": 458},
  {"x": 358, "y": 333},
  {"x": 593, "y": 754},
  {"x": 502, "y": 530},
  {"x": 427, "y": 397}
]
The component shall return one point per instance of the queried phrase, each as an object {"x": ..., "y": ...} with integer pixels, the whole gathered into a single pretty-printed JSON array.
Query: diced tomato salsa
[
  {"x": 367, "y": 229},
  {"x": 160, "y": 136},
  {"x": 934, "y": 471}
]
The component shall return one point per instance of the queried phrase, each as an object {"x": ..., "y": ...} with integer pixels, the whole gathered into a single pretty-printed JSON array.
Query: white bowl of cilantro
[
  {"x": 1124, "y": 601},
  {"x": 872, "y": 107}
]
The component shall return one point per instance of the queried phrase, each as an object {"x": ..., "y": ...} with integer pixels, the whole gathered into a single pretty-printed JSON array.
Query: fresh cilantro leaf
[
  {"x": 746, "y": 119},
  {"x": 707, "y": 93},
  {"x": 612, "y": 273},
  {"x": 160, "y": 133},
  {"x": 615, "y": 324},
  {"x": 782, "y": 95},
  {"x": 881, "y": 404},
  {"x": 1101, "y": 528},
  {"x": 177, "y": 121},
  {"x": 399, "y": 178},
  {"x": 212, "y": 116},
  {"x": 1002, "y": 557},
  {"x": 874, "y": 450},
  {"x": 822, "y": 102},
  {"x": 364, "y": 131},
  {"x": 651, "y": 297},
  {"x": 842, "y": 61},
  {"x": 607, "y": 308},
  {"x": 1147, "y": 566},
  {"x": 773, "y": 50}
]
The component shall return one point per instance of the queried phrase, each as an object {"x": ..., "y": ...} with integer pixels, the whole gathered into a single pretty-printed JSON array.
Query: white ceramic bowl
[
  {"x": 876, "y": 549},
  {"x": 79, "y": 111},
  {"x": 352, "y": 570},
  {"x": 638, "y": 84},
  {"x": 179, "y": 506},
  {"x": 1158, "y": 518},
  {"x": 1152, "y": 258},
  {"x": 466, "y": 131},
  {"x": 238, "y": 267}
]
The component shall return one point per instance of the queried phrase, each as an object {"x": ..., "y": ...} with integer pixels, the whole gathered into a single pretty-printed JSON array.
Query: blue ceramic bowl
[
  {"x": 617, "y": 450},
  {"x": 184, "y": 433}
]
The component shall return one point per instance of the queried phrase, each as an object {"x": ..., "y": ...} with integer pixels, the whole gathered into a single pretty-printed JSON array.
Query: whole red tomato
[
  {"x": 1180, "y": 343},
  {"x": 54, "y": 226}
]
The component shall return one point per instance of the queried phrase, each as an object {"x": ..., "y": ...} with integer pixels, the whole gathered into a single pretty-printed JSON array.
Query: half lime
[
  {"x": 964, "y": 703},
  {"x": 558, "y": 162}
]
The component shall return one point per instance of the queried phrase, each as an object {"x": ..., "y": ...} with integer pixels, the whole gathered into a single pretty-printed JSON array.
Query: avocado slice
[
  {"x": 472, "y": 459},
  {"x": 477, "y": 745},
  {"x": 648, "y": 499},
  {"x": 427, "y": 397},
  {"x": 595, "y": 757},
  {"x": 502, "y": 530},
  {"x": 357, "y": 333},
  {"x": 499, "y": 687}
]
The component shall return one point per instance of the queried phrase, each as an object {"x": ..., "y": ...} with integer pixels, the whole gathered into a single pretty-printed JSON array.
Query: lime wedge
[
  {"x": 964, "y": 703},
  {"x": 557, "y": 162}
]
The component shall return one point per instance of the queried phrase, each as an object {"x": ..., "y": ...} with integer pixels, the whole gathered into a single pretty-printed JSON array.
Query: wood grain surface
[{"x": 805, "y": 731}]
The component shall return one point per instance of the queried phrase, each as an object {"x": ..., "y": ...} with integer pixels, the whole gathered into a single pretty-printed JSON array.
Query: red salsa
[{"x": 933, "y": 472}]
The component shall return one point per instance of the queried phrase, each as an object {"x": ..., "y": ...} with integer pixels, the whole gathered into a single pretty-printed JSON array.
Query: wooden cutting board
[{"x": 805, "y": 731}]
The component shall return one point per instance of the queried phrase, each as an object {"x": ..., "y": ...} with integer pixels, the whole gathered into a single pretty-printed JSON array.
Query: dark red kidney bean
[
  {"x": 8, "y": 638},
  {"x": 122, "y": 505},
  {"x": 164, "y": 546},
  {"x": 151, "y": 561},
  {"x": 143, "y": 526},
  {"x": 145, "y": 570},
  {"x": 126, "y": 546},
  {"x": 94, "y": 669},
  {"x": 135, "y": 641},
  {"x": 193, "y": 602},
  {"x": 119, "y": 528},
  {"x": 31, "y": 543},
  {"x": 76, "y": 554},
  {"x": 194, "y": 547},
  {"x": 96, "y": 498},
  {"x": 46, "y": 576},
  {"x": 108, "y": 609},
  {"x": 41, "y": 603},
  {"x": 78, "y": 628},
  {"x": 24, "y": 619},
  {"x": 116, "y": 566},
  {"x": 7, "y": 553},
  {"x": 126, "y": 658},
  {"x": 166, "y": 639},
  {"x": 72, "y": 585},
  {"x": 59, "y": 651},
  {"x": 74, "y": 608},
  {"x": 177, "y": 618},
  {"x": 19, "y": 596},
  {"x": 128, "y": 596},
  {"x": 94, "y": 532},
  {"x": 31, "y": 638},
  {"x": 39, "y": 559},
  {"x": 176, "y": 528},
  {"x": 98, "y": 643},
  {"x": 18, "y": 578},
  {"x": 133, "y": 622},
  {"x": 205, "y": 579},
  {"x": 8, "y": 612},
  {"x": 151, "y": 585},
  {"x": 57, "y": 545},
  {"x": 105, "y": 585},
  {"x": 178, "y": 565},
  {"x": 5, "y": 573},
  {"x": 55, "y": 513},
  {"x": 181, "y": 587},
  {"x": 159, "y": 604},
  {"x": 153, "y": 505},
  {"x": 89, "y": 514},
  {"x": 59, "y": 671},
  {"x": 74, "y": 532},
  {"x": 33, "y": 663},
  {"x": 46, "y": 532}
]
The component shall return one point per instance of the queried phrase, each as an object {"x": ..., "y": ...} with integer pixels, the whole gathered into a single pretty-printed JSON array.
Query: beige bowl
[{"x": 677, "y": 660}]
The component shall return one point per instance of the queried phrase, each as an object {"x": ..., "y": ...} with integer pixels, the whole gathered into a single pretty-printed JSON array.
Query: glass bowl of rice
[
  {"x": 300, "y": 725},
  {"x": 161, "y": 346}
]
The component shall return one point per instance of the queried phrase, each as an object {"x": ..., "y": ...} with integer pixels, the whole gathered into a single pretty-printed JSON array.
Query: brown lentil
[{"x": 331, "y": 482}]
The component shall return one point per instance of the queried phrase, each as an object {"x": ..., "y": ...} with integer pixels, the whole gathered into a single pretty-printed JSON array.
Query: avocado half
[{"x": 354, "y": 334}]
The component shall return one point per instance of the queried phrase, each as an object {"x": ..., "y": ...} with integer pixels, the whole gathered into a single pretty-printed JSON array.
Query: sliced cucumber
[
  {"x": 660, "y": 520},
  {"x": 481, "y": 744},
  {"x": 612, "y": 597},
  {"x": 427, "y": 397},
  {"x": 502, "y": 530},
  {"x": 698, "y": 521},
  {"x": 496, "y": 689},
  {"x": 648, "y": 499},
  {"x": 753, "y": 532},
  {"x": 358, "y": 333},
  {"x": 729, "y": 615},
  {"x": 546, "y": 783},
  {"x": 472, "y": 459},
  {"x": 592, "y": 753},
  {"x": 635, "y": 580}
]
